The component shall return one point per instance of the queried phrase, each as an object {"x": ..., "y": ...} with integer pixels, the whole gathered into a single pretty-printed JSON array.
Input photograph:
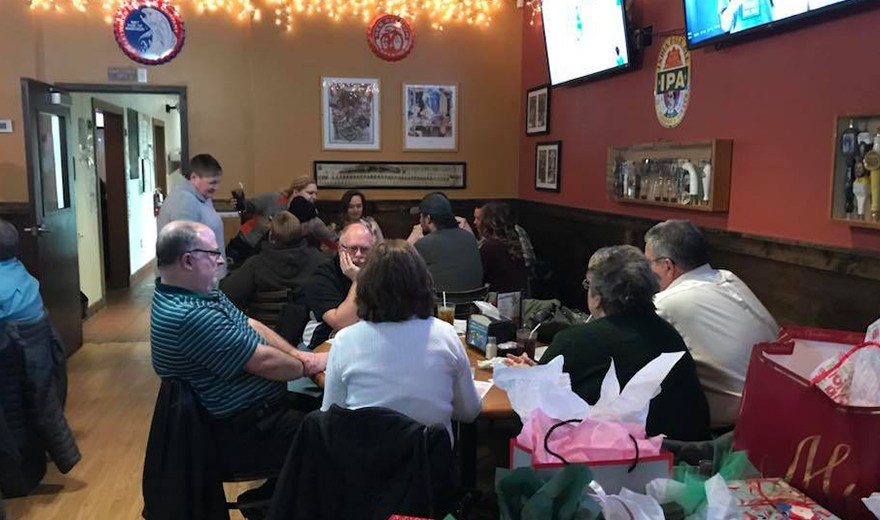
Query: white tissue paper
[
  {"x": 544, "y": 386},
  {"x": 629, "y": 505},
  {"x": 850, "y": 379},
  {"x": 873, "y": 504},
  {"x": 720, "y": 503},
  {"x": 873, "y": 333},
  {"x": 631, "y": 405},
  {"x": 488, "y": 309}
]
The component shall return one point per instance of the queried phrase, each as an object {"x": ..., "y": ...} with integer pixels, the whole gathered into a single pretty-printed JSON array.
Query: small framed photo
[
  {"x": 548, "y": 158},
  {"x": 538, "y": 110},
  {"x": 350, "y": 113},
  {"x": 430, "y": 117}
]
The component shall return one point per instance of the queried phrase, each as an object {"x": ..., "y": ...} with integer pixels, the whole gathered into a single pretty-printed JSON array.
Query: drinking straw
[
  {"x": 532, "y": 333},
  {"x": 444, "y": 298}
]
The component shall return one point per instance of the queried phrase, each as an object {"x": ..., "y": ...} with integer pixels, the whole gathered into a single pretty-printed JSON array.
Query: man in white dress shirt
[{"x": 715, "y": 312}]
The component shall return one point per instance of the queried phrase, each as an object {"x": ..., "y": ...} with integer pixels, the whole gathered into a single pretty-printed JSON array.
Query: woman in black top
[{"x": 625, "y": 328}]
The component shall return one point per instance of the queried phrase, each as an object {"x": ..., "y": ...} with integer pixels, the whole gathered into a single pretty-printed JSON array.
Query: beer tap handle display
[
  {"x": 872, "y": 164},
  {"x": 691, "y": 176}
]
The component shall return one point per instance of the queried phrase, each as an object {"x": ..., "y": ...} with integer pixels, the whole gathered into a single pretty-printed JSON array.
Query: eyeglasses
[
  {"x": 660, "y": 259},
  {"x": 355, "y": 249},
  {"x": 212, "y": 253}
]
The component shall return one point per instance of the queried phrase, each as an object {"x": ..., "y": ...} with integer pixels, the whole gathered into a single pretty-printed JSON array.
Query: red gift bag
[{"x": 792, "y": 430}]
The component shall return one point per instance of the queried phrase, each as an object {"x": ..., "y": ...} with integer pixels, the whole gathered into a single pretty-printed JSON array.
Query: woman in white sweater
[{"x": 399, "y": 356}]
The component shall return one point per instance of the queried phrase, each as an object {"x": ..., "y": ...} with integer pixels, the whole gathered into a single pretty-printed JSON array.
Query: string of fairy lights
[{"x": 439, "y": 13}]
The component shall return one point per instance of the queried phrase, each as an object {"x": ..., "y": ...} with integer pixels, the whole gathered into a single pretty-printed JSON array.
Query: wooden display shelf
[
  {"x": 866, "y": 224},
  {"x": 857, "y": 125},
  {"x": 718, "y": 152}
]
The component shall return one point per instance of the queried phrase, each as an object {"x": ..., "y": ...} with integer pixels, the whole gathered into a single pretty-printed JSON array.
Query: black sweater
[{"x": 632, "y": 340}]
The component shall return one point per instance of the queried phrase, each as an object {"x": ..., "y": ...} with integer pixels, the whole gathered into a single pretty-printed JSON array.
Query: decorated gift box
[{"x": 775, "y": 499}]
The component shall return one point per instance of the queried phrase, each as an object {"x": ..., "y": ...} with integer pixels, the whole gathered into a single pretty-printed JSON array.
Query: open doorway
[{"x": 130, "y": 146}]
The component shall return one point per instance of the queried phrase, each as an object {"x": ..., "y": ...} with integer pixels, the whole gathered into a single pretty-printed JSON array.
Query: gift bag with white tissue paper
[{"x": 559, "y": 428}]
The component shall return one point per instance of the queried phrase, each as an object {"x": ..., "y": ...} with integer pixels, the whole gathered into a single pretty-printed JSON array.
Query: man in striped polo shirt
[{"x": 237, "y": 366}]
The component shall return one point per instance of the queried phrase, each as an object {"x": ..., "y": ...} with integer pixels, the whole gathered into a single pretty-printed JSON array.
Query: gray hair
[
  {"x": 679, "y": 241},
  {"x": 175, "y": 239},
  {"x": 8, "y": 240},
  {"x": 622, "y": 277}
]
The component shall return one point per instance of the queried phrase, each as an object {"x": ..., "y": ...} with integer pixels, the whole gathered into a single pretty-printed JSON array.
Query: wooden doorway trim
[
  {"x": 182, "y": 107},
  {"x": 114, "y": 232},
  {"x": 160, "y": 156}
]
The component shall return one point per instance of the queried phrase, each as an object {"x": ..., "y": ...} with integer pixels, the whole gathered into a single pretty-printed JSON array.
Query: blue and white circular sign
[{"x": 149, "y": 31}]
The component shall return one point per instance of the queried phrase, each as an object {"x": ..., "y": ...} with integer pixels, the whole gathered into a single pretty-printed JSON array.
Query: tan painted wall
[{"x": 254, "y": 92}]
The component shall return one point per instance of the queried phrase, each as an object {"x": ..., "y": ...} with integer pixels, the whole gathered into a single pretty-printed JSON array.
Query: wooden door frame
[
  {"x": 182, "y": 106},
  {"x": 160, "y": 124},
  {"x": 106, "y": 107}
]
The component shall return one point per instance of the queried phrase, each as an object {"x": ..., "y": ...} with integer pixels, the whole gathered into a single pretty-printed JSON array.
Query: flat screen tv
[
  {"x": 584, "y": 39},
  {"x": 719, "y": 21}
]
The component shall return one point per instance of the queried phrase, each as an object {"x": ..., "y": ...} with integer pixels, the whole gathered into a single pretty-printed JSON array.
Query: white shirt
[
  {"x": 720, "y": 319},
  {"x": 417, "y": 367}
]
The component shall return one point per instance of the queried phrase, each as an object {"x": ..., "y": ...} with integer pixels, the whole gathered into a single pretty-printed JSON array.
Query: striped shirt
[{"x": 204, "y": 340}]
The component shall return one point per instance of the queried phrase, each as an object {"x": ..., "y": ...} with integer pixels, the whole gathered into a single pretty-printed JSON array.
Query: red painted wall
[{"x": 777, "y": 98}]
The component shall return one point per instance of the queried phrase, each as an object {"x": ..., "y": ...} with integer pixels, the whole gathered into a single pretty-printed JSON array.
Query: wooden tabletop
[{"x": 495, "y": 403}]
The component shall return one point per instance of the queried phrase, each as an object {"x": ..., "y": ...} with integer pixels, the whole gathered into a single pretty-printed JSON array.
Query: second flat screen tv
[
  {"x": 584, "y": 39},
  {"x": 717, "y": 21}
]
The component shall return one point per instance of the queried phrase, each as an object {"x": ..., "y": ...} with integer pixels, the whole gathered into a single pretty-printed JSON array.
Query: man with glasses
[
  {"x": 237, "y": 366},
  {"x": 331, "y": 294},
  {"x": 715, "y": 312}
]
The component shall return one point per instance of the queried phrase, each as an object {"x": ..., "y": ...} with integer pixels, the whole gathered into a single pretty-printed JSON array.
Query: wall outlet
[{"x": 5, "y": 126}]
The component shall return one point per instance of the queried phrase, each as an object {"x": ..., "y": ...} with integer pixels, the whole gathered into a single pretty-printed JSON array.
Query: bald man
[
  {"x": 237, "y": 366},
  {"x": 331, "y": 294}
]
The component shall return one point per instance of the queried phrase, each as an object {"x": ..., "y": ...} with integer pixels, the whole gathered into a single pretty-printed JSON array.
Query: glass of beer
[
  {"x": 526, "y": 342},
  {"x": 446, "y": 313}
]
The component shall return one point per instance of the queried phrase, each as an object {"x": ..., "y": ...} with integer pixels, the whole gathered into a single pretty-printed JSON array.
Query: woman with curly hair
[{"x": 504, "y": 268}]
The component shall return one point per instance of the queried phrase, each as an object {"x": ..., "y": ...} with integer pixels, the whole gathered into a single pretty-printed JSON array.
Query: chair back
[
  {"x": 181, "y": 478},
  {"x": 366, "y": 463},
  {"x": 266, "y": 306},
  {"x": 462, "y": 299}
]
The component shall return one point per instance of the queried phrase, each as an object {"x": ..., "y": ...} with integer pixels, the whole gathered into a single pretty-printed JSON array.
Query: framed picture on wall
[
  {"x": 350, "y": 113},
  {"x": 430, "y": 117},
  {"x": 377, "y": 174},
  {"x": 548, "y": 159},
  {"x": 538, "y": 110}
]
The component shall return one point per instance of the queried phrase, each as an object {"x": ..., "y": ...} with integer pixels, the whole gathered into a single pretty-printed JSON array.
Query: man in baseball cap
[{"x": 451, "y": 253}]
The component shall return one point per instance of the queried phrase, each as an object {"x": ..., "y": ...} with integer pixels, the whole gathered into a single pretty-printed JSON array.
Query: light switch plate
[{"x": 5, "y": 126}]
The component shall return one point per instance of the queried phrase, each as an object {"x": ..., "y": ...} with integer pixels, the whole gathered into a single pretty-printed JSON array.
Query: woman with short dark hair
[
  {"x": 399, "y": 356},
  {"x": 353, "y": 208},
  {"x": 625, "y": 328}
]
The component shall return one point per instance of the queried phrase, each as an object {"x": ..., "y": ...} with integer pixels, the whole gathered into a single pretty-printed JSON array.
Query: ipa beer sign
[{"x": 672, "y": 82}]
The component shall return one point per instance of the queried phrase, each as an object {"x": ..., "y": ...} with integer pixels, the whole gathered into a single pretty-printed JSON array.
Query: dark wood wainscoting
[{"x": 801, "y": 284}]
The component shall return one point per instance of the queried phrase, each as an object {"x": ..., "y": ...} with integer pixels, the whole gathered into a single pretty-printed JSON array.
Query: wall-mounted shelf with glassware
[
  {"x": 855, "y": 181},
  {"x": 690, "y": 176}
]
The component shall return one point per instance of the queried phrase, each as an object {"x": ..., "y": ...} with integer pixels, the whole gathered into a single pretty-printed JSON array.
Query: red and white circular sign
[{"x": 390, "y": 37}]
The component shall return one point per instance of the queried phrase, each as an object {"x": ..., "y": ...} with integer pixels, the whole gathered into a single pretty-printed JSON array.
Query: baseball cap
[{"x": 433, "y": 204}]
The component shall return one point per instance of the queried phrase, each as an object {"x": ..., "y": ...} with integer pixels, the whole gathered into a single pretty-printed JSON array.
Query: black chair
[
  {"x": 368, "y": 463},
  {"x": 266, "y": 306},
  {"x": 182, "y": 478},
  {"x": 462, "y": 299}
]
